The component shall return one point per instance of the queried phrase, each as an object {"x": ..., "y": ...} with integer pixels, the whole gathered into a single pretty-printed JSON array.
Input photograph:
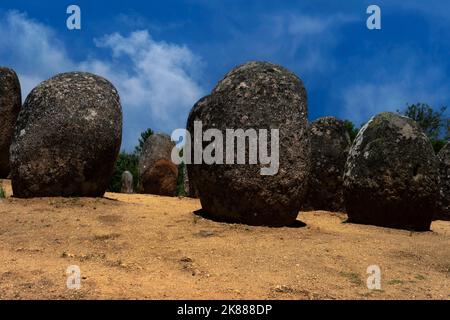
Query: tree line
[{"x": 434, "y": 122}]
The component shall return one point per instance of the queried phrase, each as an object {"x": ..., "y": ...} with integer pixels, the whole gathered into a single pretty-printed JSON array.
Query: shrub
[
  {"x": 434, "y": 123},
  {"x": 125, "y": 162},
  {"x": 144, "y": 136},
  {"x": 180, "y": 181},
  {"x": 351, "y": 129}
]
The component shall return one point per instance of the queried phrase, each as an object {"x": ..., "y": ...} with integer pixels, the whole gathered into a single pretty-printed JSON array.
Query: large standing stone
[
  {"x": 127, "y": 183},
  {"x": 391, "y": 175},
  {"x": 444, "y": 172},
  {"x": 67, "y": 137},
  {"x": 256, "y": 95},
  {"x": 330, "y": 144},
  {"x": 10, "y": 102},
  {"x": 189, "y": 182},
  {"x": 186, "y": 181},
  {"x": 157, "y": 173},
  {"x": 189, "y": 188}
]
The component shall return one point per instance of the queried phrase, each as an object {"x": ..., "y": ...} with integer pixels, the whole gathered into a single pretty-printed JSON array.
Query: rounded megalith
[
  {"x": 444, "y": 173},
  {"x": 391, "y": 175},
  {"x": 67, "y": 138},
  {"x": 157, "y": 173},
  {"x": 189, "y": 189},
  {"x": 127, "y": 183},
  {"x": 10, "y": 103},
  {"x": 330, "y": 144},
  {"x": 264, "y": 106}
]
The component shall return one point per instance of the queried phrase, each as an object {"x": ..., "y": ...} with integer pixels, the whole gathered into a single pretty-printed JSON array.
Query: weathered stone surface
[
  {"x": 67, "y": 138},
  {"x": 444, "y": 172},
  {"x": 189, "y": 181},
  {"x": 256, "y": 95},
  {"x": 127, "y": 182},
  {"x": 157, "y": 173},
  {"x": 186, "y": 181},
  {"x": 10, "y": 103},
  {"x": 330, "y": 144},
  {"x": 391, "y": 175},
  {"x": 189, "y": 188}
]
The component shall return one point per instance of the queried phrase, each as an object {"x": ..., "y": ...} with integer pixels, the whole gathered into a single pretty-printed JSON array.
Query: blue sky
[{"x": 164, "y": 55}]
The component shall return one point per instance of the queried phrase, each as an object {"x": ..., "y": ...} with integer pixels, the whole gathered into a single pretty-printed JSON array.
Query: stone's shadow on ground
[{"x": 204, "y": 214}]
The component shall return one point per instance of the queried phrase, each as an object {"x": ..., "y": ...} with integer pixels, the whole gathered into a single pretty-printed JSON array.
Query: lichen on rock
[{"x": 391, "y": 176}]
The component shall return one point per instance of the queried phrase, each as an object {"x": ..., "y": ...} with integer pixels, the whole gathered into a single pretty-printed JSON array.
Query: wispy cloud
[
  {"x": 349, "y": 72},
  {"x": 313, "y": 37},
  {"x": 32, "y": 48},
  {"x": 416, "y": 79},
  {"x": 157, "y": 80},
  {"x": 304, "y": 41}
]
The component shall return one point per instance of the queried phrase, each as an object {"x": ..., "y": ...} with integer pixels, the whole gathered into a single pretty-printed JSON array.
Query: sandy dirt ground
[{"x": 152, "y": 247}]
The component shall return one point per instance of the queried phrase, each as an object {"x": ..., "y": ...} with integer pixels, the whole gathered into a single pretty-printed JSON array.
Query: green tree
[
  {"x": 144, "y": 136},
  {"x": 351, "y": 129},
  {"x": 447, "y": 130},
  {"x": 437, "y": 144},
  {"x": 180, "y": 181},
  {"x": 433, "y": 122}
]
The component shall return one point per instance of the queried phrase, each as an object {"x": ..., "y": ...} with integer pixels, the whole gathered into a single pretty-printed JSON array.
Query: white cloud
[
  {"x": 303, "y": 25},
  {"x": 32, "y": 49},
  {"x": 437, "y": 9},
  {"x": 414, "y": 80},
  {"x": 156, "y": 80},
  {"x": 300, "y": 41},
  {"x": 304, "y": 38}
]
